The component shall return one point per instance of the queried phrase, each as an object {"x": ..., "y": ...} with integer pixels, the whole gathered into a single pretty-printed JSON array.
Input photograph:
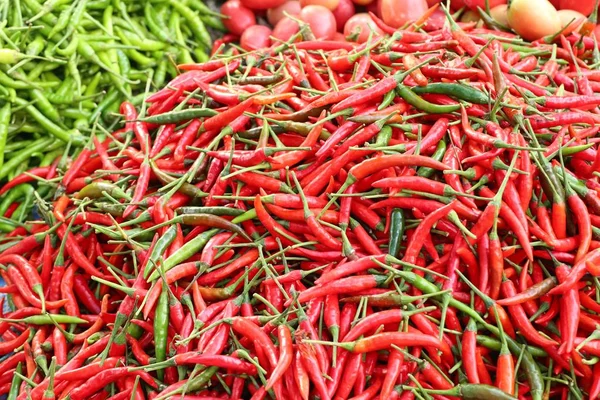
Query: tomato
[
  {"x": 436, "y": 20},
  {"x": 364, "y": 2},
  {"x": 374, "y": 7},
  {"x": 499, "y": 13},
  {"x": 321, "y": 21},
  {"x": 274, "y": 15},
  {"x": 432, "y": 3},
  {"x": 583, "y": 6},
  {"x": 339, "y": 37},
  {"x": 240, "y": 17},
  {"x": 329, "y": 4},
  {"x": 398, "y": 12},
  {"x": 361, "y": 24},
  {"x": 597, "y": 32},
  {"x": 533, "y": 19},
  {"x": 457, "y": 4},
  {"x": 572, "y": 18},
  {"x": 473, "y": 4},
  {"x": 262, "y": 4},
  {"x": 256, "y": 37},
  {"x": 470, "y": 16},
  {"x": 343, "y": 12},
  {"x": 285, "y": 29}
]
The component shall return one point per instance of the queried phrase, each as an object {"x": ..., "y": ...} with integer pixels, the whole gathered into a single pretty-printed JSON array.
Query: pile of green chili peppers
[{"x": 66, "y": 66}]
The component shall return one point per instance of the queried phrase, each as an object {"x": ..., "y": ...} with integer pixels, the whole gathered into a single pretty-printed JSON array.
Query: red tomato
[
  {"x": 374, "y": 7},
  {"x": 240, "y": 17},
  {"x": 321, "y": 21},
  {"x": 432, "y": 3},
  {"x": 343, "y": 12},
  {"x": 473, "y": 4},
  {"x": 274, "y": 15},
  {"x": 533, "y": 19},
  {"x": 436, "y": 20},
  {"x": 339, "y": 37},
  {"x": 256, "y": 37},
  {"x": 262, "y": 4},
  {"x": 285, "y": 29},
  {"x": 362, "y": 25},
  {"x": 329, "y": 4},
  {"x": 572, "y": 18},
  {"x": 398, "y": 12},
  {"x": 583, "y": 6},
  {"x": 457, "y": 4}
]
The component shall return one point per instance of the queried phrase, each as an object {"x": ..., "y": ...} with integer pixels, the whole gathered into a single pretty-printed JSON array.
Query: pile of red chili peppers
[{"x": 417, "y": 216}]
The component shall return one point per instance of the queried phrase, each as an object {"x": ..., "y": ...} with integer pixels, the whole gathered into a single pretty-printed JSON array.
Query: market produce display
[
  {"x": 67, "y": 65},
  {"x": 412, "y": 213}
]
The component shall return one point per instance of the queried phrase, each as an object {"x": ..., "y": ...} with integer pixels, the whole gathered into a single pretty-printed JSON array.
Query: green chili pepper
[
  {"x": 97, "y": 189},
  {"x": 58, "y": 132},
  {"x": 185, "y": 252},
  {"x": 5, "y": 114},
  {"x": 15, "y": 385},
  {"x": 384, "y": 136},
  {"x": 195, "y": 23},
  {"x": 39, "y": 145},
  {"x": 437, "y": 155},
  {"x": 397, "y": 225},
  {"x": 421, "y": 104},
  {"x": 210, "y": 210},
  {"x": 161, "y": 246},
  {"x": 458, "y": 90},
  {"x": 44, "y": 105},
  {"x": 178, "y": 116},
  {"x": 161, "y": 327}
]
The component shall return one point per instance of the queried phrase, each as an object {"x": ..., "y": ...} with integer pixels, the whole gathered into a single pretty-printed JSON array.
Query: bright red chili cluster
[{"x": 412, "y": 217}]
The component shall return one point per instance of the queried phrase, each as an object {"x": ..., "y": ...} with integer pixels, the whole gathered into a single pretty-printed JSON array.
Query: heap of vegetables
[
  {"x": 66, "y": 65},
  {"x": 415, "y": 216}
]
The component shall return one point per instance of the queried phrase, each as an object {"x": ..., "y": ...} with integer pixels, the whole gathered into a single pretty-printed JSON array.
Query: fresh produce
[
  {"x": 417, "y": 215},
  {"x": 533, "y": 19},
  {"x": 65, "y": 66},
  {"x": 396, "y": 13}
]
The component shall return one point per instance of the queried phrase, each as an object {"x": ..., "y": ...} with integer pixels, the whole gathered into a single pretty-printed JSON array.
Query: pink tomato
[
  {"x": 574, "y": 20},
  {"x": 470, "y": 16},
  {"x": 262, "y": 4},
  {"x": 398, "y": 12},
  {"x": 239, "y": 18},
  {"x": 583, "y": 6},
  {"x": 321, "y": 21},
  {"x": 328, "y": 4},
  {"x": 361, "y": 25},
  {"x": 274, "y": 15},
  {"x": 256, "y": 37},
  {"x": 473, "y": 4},
  {"x": 499, "y": 13},
  {"x": 364, "y": 2},
  {"x": 285, "y": 29},
  {"x": 343, "y": 12},
  {"x": 533, "y": 19}
]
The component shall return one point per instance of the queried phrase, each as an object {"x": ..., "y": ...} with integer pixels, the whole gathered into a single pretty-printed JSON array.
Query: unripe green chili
[
  {"x": 5, "y": 114},
  {"x": 457, "y": 90},
  {"x": 397, "y": 225},
  {"x": 161, "y": 327}
]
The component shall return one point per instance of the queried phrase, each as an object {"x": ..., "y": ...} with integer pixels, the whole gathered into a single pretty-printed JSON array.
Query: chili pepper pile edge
[{"x": 412, "y": 217}]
